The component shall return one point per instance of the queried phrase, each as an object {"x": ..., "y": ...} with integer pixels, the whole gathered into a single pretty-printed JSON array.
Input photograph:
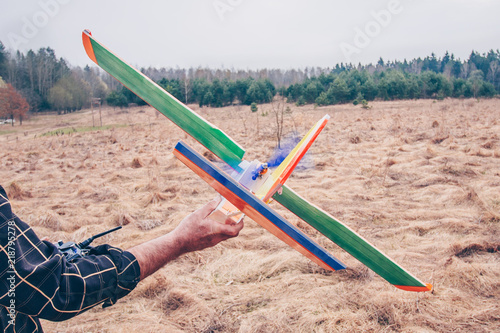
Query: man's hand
[{"x": 195, "y": 232}]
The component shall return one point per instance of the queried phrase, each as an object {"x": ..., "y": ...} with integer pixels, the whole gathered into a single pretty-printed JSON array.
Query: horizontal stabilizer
[{"x": 255, "y": 208}]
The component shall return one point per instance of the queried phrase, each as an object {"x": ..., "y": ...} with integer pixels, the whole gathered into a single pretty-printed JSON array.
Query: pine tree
[{"x": 3, "y": 61}]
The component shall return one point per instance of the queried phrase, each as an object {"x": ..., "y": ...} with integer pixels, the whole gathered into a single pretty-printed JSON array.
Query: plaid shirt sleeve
[{"x": 36, "y": 280}]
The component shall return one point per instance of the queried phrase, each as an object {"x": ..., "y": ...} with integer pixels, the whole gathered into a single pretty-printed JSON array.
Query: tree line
[
  {"x": 430, "y": 77},
  {"x": 217, "y": 93},
  {"x": 50, "y": 83},
  {"x": 357, "y": 86}
]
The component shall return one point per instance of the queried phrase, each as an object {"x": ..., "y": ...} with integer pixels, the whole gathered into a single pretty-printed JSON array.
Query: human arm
[
  {"x": 38, "y": 281},
  {"x": 46, "y": 285},
  {"x": 195, "y": 232}
]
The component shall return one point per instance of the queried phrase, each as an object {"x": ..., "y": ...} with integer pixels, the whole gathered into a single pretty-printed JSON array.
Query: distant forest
[{"x": 51, "y": 83}]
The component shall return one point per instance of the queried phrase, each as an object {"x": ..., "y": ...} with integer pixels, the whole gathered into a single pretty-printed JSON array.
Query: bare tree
[
  {"x": 242, "y": 118},
  {"x": 187, "y": 85},
  {"x": 278, "y": 107},
  {"x": 493, "y": 71}
]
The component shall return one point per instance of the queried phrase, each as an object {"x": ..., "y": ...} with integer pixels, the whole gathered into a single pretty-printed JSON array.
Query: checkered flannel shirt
[{"x": 36, "y": 281}]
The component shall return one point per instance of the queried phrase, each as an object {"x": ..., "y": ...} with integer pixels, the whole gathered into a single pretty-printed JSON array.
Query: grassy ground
[
  {"x": 419, "y": 179},
  {"x": 73, "y": 130}
]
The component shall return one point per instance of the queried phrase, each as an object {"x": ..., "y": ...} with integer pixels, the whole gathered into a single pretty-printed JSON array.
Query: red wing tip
[
  {"x": 87, "y": 44},
  {"x": 428, "y": 287}
]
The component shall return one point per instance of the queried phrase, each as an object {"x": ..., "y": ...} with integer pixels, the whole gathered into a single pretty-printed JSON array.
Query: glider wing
[
  {"x": 350, "y": 241},
  {"x": 205, "y": 133}
]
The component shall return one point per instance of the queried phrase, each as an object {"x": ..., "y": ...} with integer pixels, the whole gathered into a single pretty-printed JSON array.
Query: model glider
[{"x": 251, "y": 185}]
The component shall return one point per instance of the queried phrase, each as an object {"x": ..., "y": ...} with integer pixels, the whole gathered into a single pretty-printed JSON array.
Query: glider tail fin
[{"x": 285, "y": 169}]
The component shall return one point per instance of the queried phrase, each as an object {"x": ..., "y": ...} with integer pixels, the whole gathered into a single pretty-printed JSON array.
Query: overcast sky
[{"x": 253, "y": 33}]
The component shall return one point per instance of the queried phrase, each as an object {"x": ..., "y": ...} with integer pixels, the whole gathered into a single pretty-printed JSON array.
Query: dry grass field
[{"x": 419, "y": 179}]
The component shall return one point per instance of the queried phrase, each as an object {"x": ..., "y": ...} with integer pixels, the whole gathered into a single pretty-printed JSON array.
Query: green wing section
[
  {"x": 205, "y": 133},
  {"x": 350, "y": 241}
]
